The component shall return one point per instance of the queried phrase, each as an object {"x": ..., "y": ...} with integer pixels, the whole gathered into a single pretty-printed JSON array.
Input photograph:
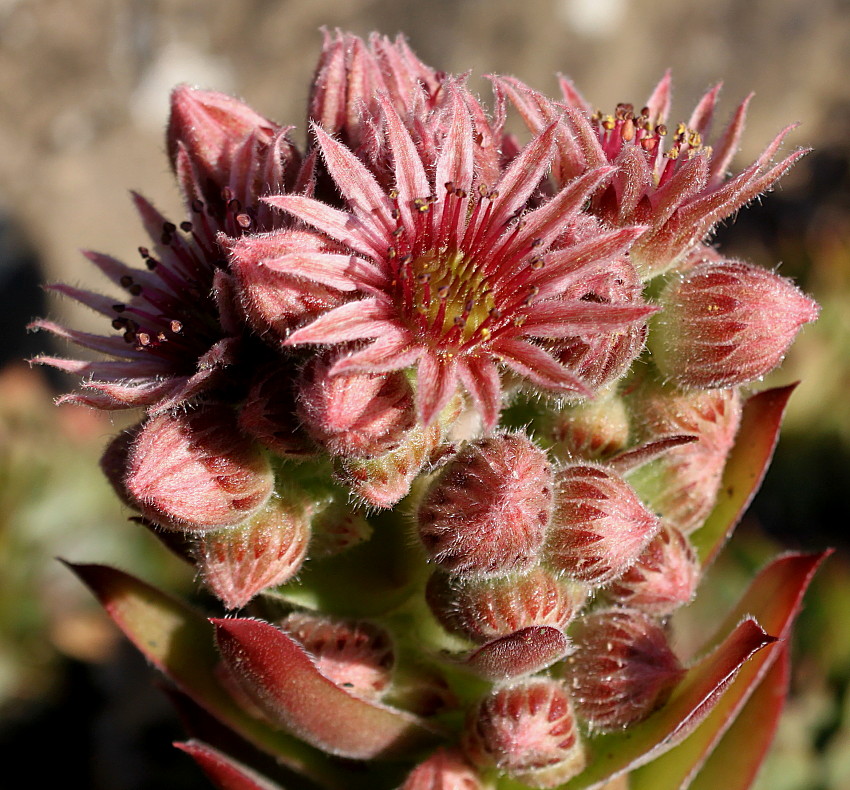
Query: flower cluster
[{"x": 341, "y": 340}]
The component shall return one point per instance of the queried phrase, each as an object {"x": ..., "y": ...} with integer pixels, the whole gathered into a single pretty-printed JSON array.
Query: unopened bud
[
  {"x": 443, "y": 770},
  {"x": 483, "y": 609},
  {"x": 360, "y": 415},
  {"x": 599, "y": 359},
  {"x": 622, "y": 668},
  {"x": 488, "y": 510},
  {"x": 197, "y": 472},
  {"x": 663, "y": 578},
  {"x": 336, "y": 528},
  {"x": 266, "y": 550},
  {"x": 527, "y": 731},
  {"x": 727, "y": 323},
  {"x": 591, "y": 431},
  {"x": 682, "y": 485},
  {"x": 599, "y": 526},
  {"x": 268, "y": 414},
  {"x": 355, "y": 655}
]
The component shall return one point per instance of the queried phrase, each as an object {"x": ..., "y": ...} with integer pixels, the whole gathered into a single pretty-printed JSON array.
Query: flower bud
[
  {"x": 268, "y": 414},
  {"x": 591, "y": 431},
  {"x": 528, "y": 731},
  {"x": 337, "y": 528},
  {"x": 114, "y": 463},
  {"x": 483, "y": 609},
  {"x": 622, "y": 668},
  {"x": 360, "y": 415},
  {"x": 195, "y": 471},
  {"x": 663, "y": 578},
  {"x": 386, "y": 479},
  {"x": 599, "y": 526},
  {"x": 443, "y": 770},
  {"x": 487, "y": 511},
  {"x": 727, "y": 323},
  {"x": 356, "y": 655},
  {"x": 601, "y": 358},
  {"x": 682, "y": 485},
  {"x": 266, "y": 550}
]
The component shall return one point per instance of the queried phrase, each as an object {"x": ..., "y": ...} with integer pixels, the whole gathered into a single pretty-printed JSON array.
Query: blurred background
[{"x": 84, "y": 90}]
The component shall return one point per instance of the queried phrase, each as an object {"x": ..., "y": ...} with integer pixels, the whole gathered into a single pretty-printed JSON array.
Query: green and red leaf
[
  {"x": 279, "y": 676},
  {"x": 745, "y": 468},
  {"x": 223, "y": 771}
]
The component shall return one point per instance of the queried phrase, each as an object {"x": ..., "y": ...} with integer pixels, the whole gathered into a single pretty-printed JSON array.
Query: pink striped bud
[
  {"x": 727, "y": 323},
  {"x": 487, "y": 511},
  {"x": 599, "y": 526},
  {"x": 599, "y": 359},
  {"x": 483, "y": 609},
  {"x": 663, "y": 578},
  {"x": 527, "y": 731},
  {"x": 682, "y": 485},
  {"x": 268, "y": 549},
  {"x": 356, "y": 655},
  {"x": 337, "y": 528},
  {"x": 622, "y": 668},
  {"x": 360, "y": 415},
  {"x": 443, "y": 770},
  {"x": 591, "y": 431},
  {"x": 268, "y": 414},
  {"x": 197, "y": 472}
]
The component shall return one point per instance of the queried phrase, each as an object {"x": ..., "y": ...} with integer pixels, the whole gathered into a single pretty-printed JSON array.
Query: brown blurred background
[{"x": 83, "y": 99}]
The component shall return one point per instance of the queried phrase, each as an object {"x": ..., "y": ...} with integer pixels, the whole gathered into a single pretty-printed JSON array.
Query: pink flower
[
  {"x": 679, "y": 189},
  {"x": 454, "y": 275},
  {"x": 178, "y": 325}
]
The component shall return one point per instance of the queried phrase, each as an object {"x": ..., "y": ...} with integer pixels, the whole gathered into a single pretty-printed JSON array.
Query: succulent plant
[{"x": 449, "y": 425}]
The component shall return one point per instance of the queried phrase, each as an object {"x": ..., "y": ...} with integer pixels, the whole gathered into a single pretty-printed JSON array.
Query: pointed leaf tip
[
  {"x": 282, "y": 680},
  {"x": 222, "y": 770}
]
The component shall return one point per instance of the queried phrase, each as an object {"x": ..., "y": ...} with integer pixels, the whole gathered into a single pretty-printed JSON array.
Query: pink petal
[
  {"x": 393, "y": 350},
  {"x": 659, "y": 101},
  {"x": 554, "y": 318},
  {"x": 633, "y": 179},
  {"x": 114, "y": 346},
  {"x": 105, "y": 305},
  {"x": 535, "y": 363},
  {"x": 436, "y": 383},
  {"x": 337, "y": 224},
  {"x": 410, "y": 178},
  {"x": 455, "y": 164},
  {"x": 727, "y": 146},
  {"x": 358, "y": 186},
  {"x": 523, "y": 176},
  {"x": 703, "y": 113},
  {"x": 366, "y": 318},
  {"x": 480, "y": 376}
]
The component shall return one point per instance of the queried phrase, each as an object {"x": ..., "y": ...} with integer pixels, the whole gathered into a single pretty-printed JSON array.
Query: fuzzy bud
[
  {"x": 528, "y": 731},
  {"x": 355, "y": 655},
  {"x": 599, "y": 526},
  {"x": 727, "y": 323},
  {"x": 488, "y": 510},
  {"x": 443, "y": 770},
  {"x": 600, "y": 359},
  {"x": 337, "y": 528},
  {"x": 682, "y": 485},
  {"x": 483, "y": 609},
  {"x": 268, "y": 414},
  {"x": 591, "y": 431},
  {"x": 622, "y": 668},
  {"x": 663, "y": 578},
  {"x": 358, "y": 415},
  {"x": 268, "y": 549},
  {"x": 197, "y": 472}
]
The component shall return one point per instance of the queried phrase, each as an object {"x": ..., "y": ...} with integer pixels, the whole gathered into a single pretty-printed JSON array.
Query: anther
[
  {"x": 186, "y": 227},
  {"x": 243, "y": 220},
  {"x": 536, "y": 263},
  {"x": 176, "y": 327},
  {"x": 135, "y": 289},
  {"x": 126, "y": 281},
  {"x": 144, "y": 338},
  {"x": 234, "y": 205},
  {"x": 169, "y": 227},
  {"x": 144, "y": 252},
  {"x": 119, "y": 308},
  {"x": 443, "y": 291},
  {"x": 536, "y": 243},
  {"x": 197, "y": 206}
]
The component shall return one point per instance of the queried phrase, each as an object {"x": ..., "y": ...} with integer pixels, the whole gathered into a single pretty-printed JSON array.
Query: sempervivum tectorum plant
[{"x": 394, "y": 415}]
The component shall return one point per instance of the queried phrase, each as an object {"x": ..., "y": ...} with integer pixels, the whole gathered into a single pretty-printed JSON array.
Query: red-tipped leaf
[
  {"x": 223, "y": 771},
  {"x": 282, "y": 680}
]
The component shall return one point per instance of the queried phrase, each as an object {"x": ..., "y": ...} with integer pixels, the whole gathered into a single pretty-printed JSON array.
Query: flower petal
[
  {"x": 365, "y": 318},
  {"x": 393, "y": 350},
  {"x": 436, "y": 383},
  {"x": 538, "y": 365},
  {"x": 480, "y": 376},
  {"x": 554, "y": 318}
]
